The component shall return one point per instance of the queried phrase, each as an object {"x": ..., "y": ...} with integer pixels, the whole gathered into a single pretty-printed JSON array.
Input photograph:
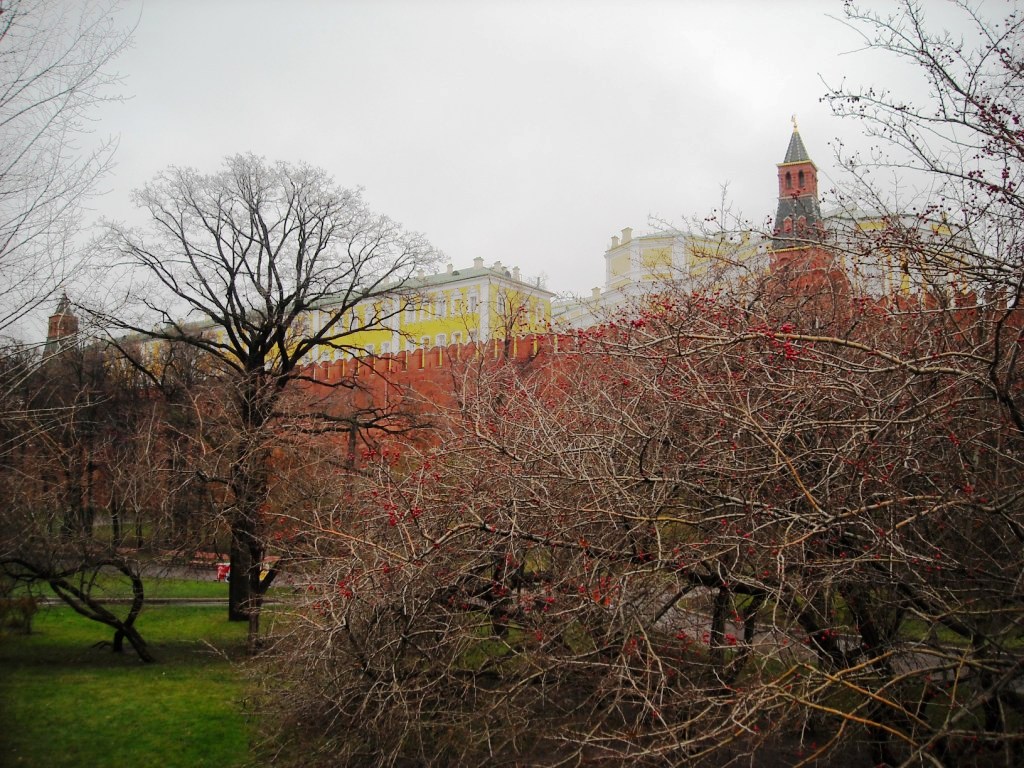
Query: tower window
[
  {"x": 800, "y": 180},
  {"x": 789, "y": 180}
]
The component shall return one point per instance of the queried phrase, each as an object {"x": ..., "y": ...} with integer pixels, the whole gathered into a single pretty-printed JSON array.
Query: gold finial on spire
[{"x": 793, "y": 118}]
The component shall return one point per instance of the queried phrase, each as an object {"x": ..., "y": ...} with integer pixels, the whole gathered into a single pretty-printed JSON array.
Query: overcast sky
[{"x": 526, "y": 132}]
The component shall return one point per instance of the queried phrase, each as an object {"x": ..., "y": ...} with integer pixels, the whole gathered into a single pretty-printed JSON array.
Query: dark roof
[
  {"x": 443, "y": 278},
  {"x": 64, "y": 305},
  {"x": 809, "y": 230},
  {"x": 796, "y": 152}
]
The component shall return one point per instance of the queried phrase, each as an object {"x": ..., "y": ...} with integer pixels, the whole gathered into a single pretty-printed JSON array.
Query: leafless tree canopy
[
  {"x": 266, "y": 263},
  {"x": 253, "y": 249},
  {"x": 956, "y": 143},
  {"x": 710, "y": 531},
  {"x": 55, "y": 61}
]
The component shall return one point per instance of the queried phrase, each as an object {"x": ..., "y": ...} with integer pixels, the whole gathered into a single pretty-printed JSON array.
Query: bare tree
[
  {"x": 82, "y": 580},
  {"x": 55, "y": 456},
  {"x": 712, "y": 529},
  {"x": 268, "y": 262},
  {"x": 954, "y": 144},
  {"x": 54, "y": 68}
]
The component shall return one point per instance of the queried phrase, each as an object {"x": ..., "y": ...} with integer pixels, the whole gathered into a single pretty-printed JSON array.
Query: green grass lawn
[
  {"x": 66, "y": 702},
  {"x": 173, "y": 588},
  {"x": 110, "y": 586}
]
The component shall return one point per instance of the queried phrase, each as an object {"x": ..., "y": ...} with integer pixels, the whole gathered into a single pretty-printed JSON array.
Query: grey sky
[{"x": 528, "y": 132}]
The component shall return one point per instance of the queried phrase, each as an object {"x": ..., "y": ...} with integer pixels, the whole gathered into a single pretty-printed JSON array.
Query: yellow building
[
  {"x": 456, "y": 306},
  {"x": 637, "y": 264}
]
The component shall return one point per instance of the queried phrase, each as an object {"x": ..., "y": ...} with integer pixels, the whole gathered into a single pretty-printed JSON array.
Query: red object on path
[{"x": 223, "y": 571}]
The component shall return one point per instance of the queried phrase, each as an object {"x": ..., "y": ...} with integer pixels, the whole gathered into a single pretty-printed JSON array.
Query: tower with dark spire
[
  {"x": 798, "y": 220},
  {"x": 62, "y": 328}
]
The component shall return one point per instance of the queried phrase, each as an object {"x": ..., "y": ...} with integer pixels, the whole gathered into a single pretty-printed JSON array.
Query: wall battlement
[{"x": 408, "y": 366}]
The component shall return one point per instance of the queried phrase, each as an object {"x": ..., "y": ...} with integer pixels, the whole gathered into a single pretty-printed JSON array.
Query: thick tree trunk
[
  {"x": 250, "y": 489},
  {"x": 136, "y": 641}
]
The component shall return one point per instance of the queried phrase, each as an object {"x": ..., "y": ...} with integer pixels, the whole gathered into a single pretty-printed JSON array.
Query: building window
[
  {"x": 789, "y": 180},
  {"x": 410, "y": 312},
  {"x": 800, "y": 180},
  {"x": 441, "y": 307},
  {"x": 440, "y": 340},
  {"x": 369, "y": 349},
  {"x": 425, "y": 342},
  {"x": 456, "y": 338},
  {"x": 474, "y": 300},
  {"x": 385, "y": 347}
]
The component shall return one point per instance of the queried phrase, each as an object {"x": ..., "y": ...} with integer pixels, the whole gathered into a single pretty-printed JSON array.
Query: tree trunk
[
  {"x": 246, "y": 555},
  {"x": 136, "y": 641},
  {"x": 116, "y": 528},
  {"x": 238, "y": 587}
]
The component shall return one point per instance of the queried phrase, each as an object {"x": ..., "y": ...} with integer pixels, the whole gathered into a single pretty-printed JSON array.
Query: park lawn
[
  {"x": 164, "y": 588},
  {"x": 66, "y": 702},
  {"x": 112, "y": 587},
  {"x": 116, "y": 587}
]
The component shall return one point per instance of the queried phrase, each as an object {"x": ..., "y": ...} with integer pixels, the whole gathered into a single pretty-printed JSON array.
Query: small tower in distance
[
  {"x": 62, "y": 328},
  {"x": 798, "y": 219},
  {"x": 809, "y": 277}
]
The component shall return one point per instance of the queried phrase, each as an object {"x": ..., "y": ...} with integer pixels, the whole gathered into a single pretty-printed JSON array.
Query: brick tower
[{"x": 807, "y": 272}]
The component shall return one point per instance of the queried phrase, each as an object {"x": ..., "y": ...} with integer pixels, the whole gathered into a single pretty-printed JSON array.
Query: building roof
[
  {"x": 796, "y": 152},
  {"x": 470, "y": 273}
]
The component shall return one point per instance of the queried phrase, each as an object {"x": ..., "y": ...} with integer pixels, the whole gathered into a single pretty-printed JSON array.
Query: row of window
[
  {"x": 426, "y": 342},
  {"x": 440, "y": 307}
]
